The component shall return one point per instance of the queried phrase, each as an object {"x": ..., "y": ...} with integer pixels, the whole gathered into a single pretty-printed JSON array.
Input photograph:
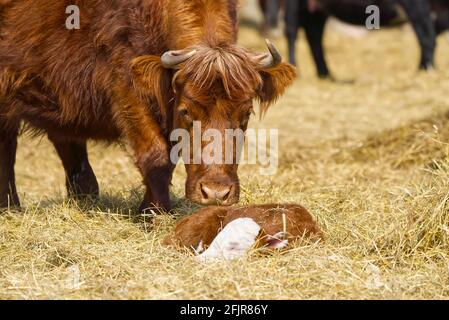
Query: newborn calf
[{"x": 227, "y": 233}]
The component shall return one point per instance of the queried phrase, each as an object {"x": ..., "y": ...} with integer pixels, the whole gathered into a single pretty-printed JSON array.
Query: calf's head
[{"x": 212, "y": 91}]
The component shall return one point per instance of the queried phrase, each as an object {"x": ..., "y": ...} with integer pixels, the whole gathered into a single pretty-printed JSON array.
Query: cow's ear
[
  {"x": 150, "y": 78},
  {"x": 275, "y": 81}
]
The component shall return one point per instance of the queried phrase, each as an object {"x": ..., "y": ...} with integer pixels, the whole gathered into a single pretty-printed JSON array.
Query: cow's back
[
  {"x": 71, "y": 72},
  {"x": 354, "y": 11}
]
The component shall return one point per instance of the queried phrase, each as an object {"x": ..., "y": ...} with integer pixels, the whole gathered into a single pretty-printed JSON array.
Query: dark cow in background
[
  {"x": 270, "y": 10},
  {"x": 440, "y": 15},
  {"x": 135, "y": 70},
  {"x": 428, "y": 18}
]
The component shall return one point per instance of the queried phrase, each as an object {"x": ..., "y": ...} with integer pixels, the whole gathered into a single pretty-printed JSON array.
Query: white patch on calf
[
  {"x": 200, "y": 248},
  {"x": 277, "y": 241},
  {"x": 234, "y": 241}
]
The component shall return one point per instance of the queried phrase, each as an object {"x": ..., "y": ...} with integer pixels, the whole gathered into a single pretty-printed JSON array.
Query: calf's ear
[
  {"x": 275, "y": 81},
  {"x": 151, "y": 79}
]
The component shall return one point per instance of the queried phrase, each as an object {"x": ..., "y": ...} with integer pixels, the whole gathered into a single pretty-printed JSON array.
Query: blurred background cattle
[
  {"x": 271, "y": 11},
  {"x": 429, "y": 18}
]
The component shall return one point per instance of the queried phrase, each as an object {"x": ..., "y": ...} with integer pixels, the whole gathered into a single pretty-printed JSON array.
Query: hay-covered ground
[{"x": 369, "y": 159}]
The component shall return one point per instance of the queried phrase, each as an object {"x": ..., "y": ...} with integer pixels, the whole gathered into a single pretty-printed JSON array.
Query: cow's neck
[{"x": 201, "y": 22}]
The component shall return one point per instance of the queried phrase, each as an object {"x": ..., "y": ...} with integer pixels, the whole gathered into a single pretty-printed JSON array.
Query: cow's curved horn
[
  {"x": 272, "y": 59},
  {"x": 172, "y": 59}
]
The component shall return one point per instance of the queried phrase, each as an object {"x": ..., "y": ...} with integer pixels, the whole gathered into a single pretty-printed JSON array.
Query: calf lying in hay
[{"x": 228, "y": 233}]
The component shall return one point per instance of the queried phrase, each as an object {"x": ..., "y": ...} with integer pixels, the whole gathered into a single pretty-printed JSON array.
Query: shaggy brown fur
[
  {"x": 204, "y": 225},
  {"x": 106, "y": 81}
]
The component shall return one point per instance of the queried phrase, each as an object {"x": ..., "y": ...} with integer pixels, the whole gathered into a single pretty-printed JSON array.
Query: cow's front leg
[
  {"x": 151, "y": 151},
  {"x": 314, "y": 27},
  {"x": 292, "y": 24},
  {"x": 80, "y": 178},
  {"x": 8, "y": 147},
  {"x": 155, "y": 166},
  {"x": 420, "y": 15},
  {"x": 272, "y": 8}
]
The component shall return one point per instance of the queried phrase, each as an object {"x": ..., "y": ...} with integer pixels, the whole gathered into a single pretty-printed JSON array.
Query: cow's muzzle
[{"x": 223, "y": 192}]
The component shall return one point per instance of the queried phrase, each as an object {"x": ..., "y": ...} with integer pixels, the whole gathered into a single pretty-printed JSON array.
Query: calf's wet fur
[{"x": 278, "y": 223}]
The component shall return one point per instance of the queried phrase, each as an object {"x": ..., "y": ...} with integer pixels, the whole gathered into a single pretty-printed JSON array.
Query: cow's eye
[
  {"x": 184, "y": 112},
  {"x": 185, "y": 116}
]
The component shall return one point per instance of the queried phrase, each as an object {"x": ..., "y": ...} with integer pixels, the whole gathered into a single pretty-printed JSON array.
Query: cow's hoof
[
  {"x": 427, "y": 66},
  {"x": 154, "y": 207},
  {"x": 326, "y": 76},
  {"x": 8, "y": 202},
  {"x": 83, "y": 185},
  {"x": 430, "y": 69},
  {"x": 332, "y": 79}
]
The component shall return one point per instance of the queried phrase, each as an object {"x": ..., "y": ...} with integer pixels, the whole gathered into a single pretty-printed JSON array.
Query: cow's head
[{"x": 214, "y": 88}]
